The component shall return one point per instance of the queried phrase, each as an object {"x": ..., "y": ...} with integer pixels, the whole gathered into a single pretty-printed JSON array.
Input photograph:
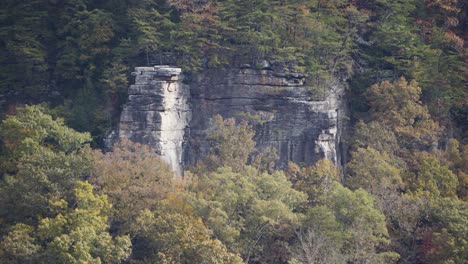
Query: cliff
[
  {"x": 157, "y": 112},
  {"x": 173, "y": 117}
]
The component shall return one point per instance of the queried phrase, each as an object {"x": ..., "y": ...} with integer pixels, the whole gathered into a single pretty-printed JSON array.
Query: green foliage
[
  {"x": 347, "y": 228},
  {"x": 265, "y": 160},
  {"x": 19, "y": 246},
  {"x": 376, "y": 136},
  {"x": 79, "y": 52},
  {"x": 231, "y": 143},
  {"x": 372, "y": 171},
  {"x": 408, "y": 38},
  {"x": 80, "y": 234},
  {"x": 42, "y": 158},
  {"x": 449, "y": 238},
  {"x": 436, "y": 179},
  {"x": 248, "y": 211},
  {"x": 87, "y": 36},
  {"x": 75, "y": 234},
  {"x": 23, "y": 38},
  {"x": 197, "y": 36},
  {"x": 32, "y": 128},
  {"x": 149, "y": 25}
]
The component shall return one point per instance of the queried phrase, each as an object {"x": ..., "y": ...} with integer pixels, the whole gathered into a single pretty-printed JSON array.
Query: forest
[{"x": 401, "y": 197}]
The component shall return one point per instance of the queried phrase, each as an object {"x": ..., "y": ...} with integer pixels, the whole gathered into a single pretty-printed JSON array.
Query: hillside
[{"x": 233, "y": 131}]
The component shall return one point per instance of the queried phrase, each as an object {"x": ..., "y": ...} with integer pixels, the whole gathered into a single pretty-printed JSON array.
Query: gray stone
[
  {"x": 157, "y": 112},
  {"x": 302, "y": 130}
]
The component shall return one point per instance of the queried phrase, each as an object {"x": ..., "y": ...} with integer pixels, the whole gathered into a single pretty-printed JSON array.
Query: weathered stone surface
[
  {"x": 301, "y": 130},
  {"x": 173, "y": 117},
  {"x": 157, "y": 112}
]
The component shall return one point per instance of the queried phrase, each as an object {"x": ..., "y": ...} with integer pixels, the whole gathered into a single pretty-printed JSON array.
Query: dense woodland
[{"x": 401, "y": 198}]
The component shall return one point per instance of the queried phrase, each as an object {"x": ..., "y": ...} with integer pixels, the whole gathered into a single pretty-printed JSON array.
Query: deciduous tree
[
  {"x": 397, "y": 106},
  {"x": 134, "y": 178},
  {"x": 77, "y": 233}
]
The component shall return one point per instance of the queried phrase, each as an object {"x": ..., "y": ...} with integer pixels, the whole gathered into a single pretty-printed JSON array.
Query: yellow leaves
[
  {"x": 58, "y": 206},
  {"x": 80, "y": 234},
  {"x": 133, "y": 177},
  {"x": 397, "y": 106}
]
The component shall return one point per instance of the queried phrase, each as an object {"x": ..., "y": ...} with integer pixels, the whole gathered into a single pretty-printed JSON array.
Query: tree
[
  {"x": 454, "y": 157},
  {"x": 33, "y": 128},
  {"x": 314, "y": 180},
  {"x": 348, "y": 222},
  {"x": 320, "y": 239},
  {"x": 172, "y": 233},
  {"x": 134, "y": 178},
  {"x": 418, "y": 40},
  {"x": 85, "y": 48},
  {"x": 18, "y": 246},
  {"x": 42, "y": 159},
  {"x": 376, "y": 136},
  {"x": 447, "y": 243},
  {"x": 250, "y": 212},
  {"x": 396, "y": 105},
  {"x": 24, "y": 37},
  {"x": 150, "y": 24},
  {"x": 197, "y": 36},
  {"x": 250, "y": 25},
  {"x": 265, "y": 160},
  {"x": 75, "y": 234},
  {"x": 375, "y": 173},
  {"x": 231, "y": 143},
  {"x": 434, "y": 178}
]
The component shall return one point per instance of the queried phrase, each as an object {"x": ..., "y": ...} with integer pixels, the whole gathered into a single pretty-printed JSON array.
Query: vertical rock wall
[
  {"x": 157, "y": 112},
  {"x": 301, "y": 129},
  {"x": 173, "y": 118}
]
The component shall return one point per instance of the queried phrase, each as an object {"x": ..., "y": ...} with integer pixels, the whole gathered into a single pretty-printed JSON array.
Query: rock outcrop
[
  {"x": 173, "y": 117},
  {"x": 157, "y": 112},
  {"x": 301, "y": 129}
]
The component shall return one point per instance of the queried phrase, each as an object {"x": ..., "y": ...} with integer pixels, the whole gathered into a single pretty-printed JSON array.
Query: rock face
[
  {"x": 302, "y": 130},
  {"x": 157, "y": 112},
  {"x": 173, "y": 117}
]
